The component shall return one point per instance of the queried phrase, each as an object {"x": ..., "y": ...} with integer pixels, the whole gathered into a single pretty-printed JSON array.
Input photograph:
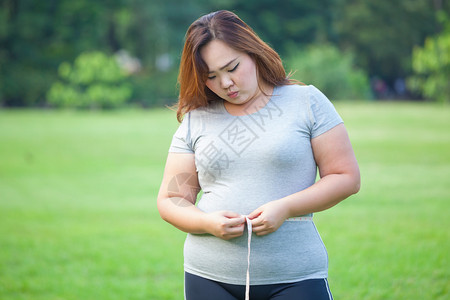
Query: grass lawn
[{"x": 78, "y": 216}]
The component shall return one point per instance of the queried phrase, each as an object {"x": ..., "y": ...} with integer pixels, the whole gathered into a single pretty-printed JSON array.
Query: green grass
[{"x": 78, "y": 216}]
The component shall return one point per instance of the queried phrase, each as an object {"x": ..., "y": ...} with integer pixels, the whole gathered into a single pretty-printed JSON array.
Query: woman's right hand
[
  {"x": 177, "y": 197},
  {"x": 225, "y": 224}
]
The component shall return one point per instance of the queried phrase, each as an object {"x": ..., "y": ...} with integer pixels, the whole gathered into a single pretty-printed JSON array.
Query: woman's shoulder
[
  {"x": 297, "y": 92},
  {"x": 296, "y": 88},
  {"x": 293, "y": 92},
  {"x": 213, "y": 108}
]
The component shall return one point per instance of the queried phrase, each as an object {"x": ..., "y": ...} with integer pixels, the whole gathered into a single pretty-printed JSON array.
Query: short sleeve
[
  {"x": 181, "y": 141},
  {"x": 323, "y": 114}
]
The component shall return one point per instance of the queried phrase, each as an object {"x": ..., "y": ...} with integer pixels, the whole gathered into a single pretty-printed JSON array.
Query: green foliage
[
  {"x": 331, "y": 71},
  {"x": 382, "y": 33},
  {"x": 288, "y": 22},
  {"x": 431, "y": 63},
  {"x": 94, "y": 81},
  {"x": 155, "y": 89},
  {"x": 37, "y": 36}
]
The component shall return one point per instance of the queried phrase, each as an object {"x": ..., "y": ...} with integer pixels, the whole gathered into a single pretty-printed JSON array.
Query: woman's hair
[{"x": 225, "y": 26}]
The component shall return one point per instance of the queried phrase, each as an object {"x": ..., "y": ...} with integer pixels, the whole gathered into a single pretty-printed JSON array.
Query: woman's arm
[
  {"x": 177, "y": 196},
  {"x": 339, "y": 178}
]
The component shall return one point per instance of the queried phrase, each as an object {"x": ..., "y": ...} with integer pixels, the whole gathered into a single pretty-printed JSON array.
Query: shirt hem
[{"x": 267, "y": 281}]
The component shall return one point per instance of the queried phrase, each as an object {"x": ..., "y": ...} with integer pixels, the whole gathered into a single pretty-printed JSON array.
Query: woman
[{"x": 251, "y": 139}]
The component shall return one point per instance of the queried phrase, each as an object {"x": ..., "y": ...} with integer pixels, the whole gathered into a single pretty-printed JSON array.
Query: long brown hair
[{"x": 228, "y": 27}]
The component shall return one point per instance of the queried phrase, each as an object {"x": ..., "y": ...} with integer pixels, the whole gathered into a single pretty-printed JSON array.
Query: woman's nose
[{"x": 226, "y": 82}]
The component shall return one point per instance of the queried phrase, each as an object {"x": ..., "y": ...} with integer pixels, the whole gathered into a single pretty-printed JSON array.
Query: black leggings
[{"x": 199, "y": 288}]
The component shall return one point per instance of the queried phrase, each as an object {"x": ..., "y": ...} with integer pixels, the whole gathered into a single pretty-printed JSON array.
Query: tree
[
  {"x": 383, "y": 33},
  {"x": 37, "y": 36},
  {"x": 283, "y": 24},
  {"x": 95, "y": 80},
  {"x": 331, "y": 71},
  {"x": 431, "y": 63}
]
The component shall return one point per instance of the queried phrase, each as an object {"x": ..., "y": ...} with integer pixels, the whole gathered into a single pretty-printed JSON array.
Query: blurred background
[
  {"x": 111, "y": 53},
  {"x": 81, "y": 162}
]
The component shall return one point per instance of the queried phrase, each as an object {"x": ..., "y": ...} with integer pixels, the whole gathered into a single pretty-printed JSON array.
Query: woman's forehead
[{"x": 218, "y": 55}]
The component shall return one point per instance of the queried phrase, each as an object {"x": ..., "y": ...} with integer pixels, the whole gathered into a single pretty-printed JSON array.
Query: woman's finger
[{"x": 232, "y": 222}]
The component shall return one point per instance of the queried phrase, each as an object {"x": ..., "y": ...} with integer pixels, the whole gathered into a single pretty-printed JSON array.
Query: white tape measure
[{"x": 249, "y": 241}]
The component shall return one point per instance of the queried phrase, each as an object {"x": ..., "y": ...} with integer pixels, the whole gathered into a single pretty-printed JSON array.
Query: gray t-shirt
[{"x": 246, "y": 161}]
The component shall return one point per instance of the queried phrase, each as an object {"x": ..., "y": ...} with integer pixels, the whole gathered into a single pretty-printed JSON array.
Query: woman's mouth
[{"x": 233, "y": 94}]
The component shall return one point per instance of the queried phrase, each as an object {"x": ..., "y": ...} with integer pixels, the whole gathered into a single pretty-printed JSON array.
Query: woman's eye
[
  {"x": 234, "y": 68},
  {"x": 211, "y": 77}
]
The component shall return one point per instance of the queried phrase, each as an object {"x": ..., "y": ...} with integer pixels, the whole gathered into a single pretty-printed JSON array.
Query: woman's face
[{"x": 232, "y": 74}]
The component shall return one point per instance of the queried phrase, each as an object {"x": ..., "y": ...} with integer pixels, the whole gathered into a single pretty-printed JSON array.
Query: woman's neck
[{"x": 259, "y": 101}]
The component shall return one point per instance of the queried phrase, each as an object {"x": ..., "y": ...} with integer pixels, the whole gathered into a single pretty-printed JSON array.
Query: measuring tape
[
  {"x": 249, "y": 241},
  {"x": 300, "y": 219}
]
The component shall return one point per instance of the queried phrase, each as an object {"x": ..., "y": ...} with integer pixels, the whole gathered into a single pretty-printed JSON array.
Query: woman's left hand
[{"x": 268, "y": 217}]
